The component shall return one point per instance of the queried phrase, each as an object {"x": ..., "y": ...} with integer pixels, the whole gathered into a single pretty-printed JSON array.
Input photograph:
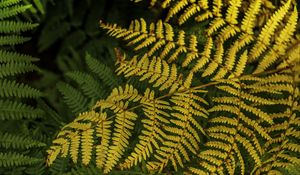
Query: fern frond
[
  {"x": 18, "y": 141},
  {"x": 14, "y": 89},
  {"x": 12, "y": 68},
  {"x": 184, "y": 134},
  {"x": 103, "y": 130},
  {"x": 7, "y": 12},
  {"x": 268, "y": 30},
  {"x": 7, "y": 57},
  {"x": 249, "y": 19},
  {"x": 12, "y": 40},
  {"x": 69, "y": 141},
  {"x": 177, "y": 7},
  {"x": 12, "y": 110},
  {"x": 87, "y": 145},
  {"x": 281, "y": 45},
  {"x": 15, "y": 26},
  {"x": 91, "y": 87},
  {"x": 154, "y": 109},
  {"x": 284, "y": 146},
  {"x": 12, "y": 159},
  {"x": 233, "y": 11},
  {"x": 75, "y": 100},
  {"x": 6, "y": 3},
  {"x": 124, "y": 123},
  {"x": 154, "y": 39},
  {"x": 156, "y": 70},
  {"x": 101, "y": 70}
]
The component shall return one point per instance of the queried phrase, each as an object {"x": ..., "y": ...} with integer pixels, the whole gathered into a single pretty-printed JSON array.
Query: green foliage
[
  {"x": 187, "y": 87},
  {"x": 13, "y": 110},
  {"x": 15, "y": 159},
  {"x": 16, "y": 147}
]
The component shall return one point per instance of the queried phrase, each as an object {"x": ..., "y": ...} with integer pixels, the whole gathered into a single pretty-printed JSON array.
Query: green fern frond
[
  {"x": 12, "y": 110},
  {"x": 12, "y": 159},
  {"x": 13, "y": 26},
  {"x": 75, "y": 100},
  {"x": 7, "y": 12},
  {"x": 102, "y": 71},
  {"x": 90, "y": 86},
  {"x": 18, "y": 141},
  {"x": 6, "y": 3},
  {"x": 12, "y": 40},
  {"x": 14, "y": 89},
  {"x": 7, "y": 57},
  {"x": 11, "y": 69}
]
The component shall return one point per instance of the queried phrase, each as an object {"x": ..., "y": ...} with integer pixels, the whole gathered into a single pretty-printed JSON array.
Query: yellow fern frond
[
  {"x": 153, "y": 134},
  {"x": 74, "y": 147},
  {"x": 217, "y": 7},
  {"x": 215, "y": 25},
  {"x": 233, "y": 11},
  {"x": 211, "y": 68},
  {"x": 87, "y": 145},
  {"x": 53, "y": 152},
  {"x": 249, "y": 19},
  {"x": 241, "y": 64},
  {"x": 280, "y": 46},
  {"x": 157, "y": 71},
  {"x": 103, "y": 132},
  {"x": 124, "y": 123},
  {"x": 206, "y": 15},
  {"x": 184, "y": 137},
  {"x": 205, "y": 56},
  {"x": 158, "y": 39},
  {"x": 188, "y": 12},
  {"x": 263, "y": 40},
  {"x": 250, "y": 149},
  {"x": 176, "y": 8}
]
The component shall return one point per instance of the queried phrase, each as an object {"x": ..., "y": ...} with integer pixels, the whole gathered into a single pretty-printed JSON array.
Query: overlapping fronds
[
  {"x": 183, "y": 135},
  {"x": 236, "y": 121},
  {"x": 202, "y": 10},
  {"x": 102, "y": 71},
  {"x": 99, "y": 124},
  {"x": 228, "y": 105},
  {"x": 75, "y": 100},
  {"x": 281, "y": 152},
  {"x": 155, "y": 71},
  {"x": 159, "y": 39},
  {"x": 15, "y": 148}
]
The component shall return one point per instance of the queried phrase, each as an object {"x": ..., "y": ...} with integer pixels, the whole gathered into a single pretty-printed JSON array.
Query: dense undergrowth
[{"x": 149, "y": 87}]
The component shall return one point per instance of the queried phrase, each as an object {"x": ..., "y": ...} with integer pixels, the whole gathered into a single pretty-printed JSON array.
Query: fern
[
  {"x": 101, "y": 70},
  {"x": 228, "y": 105},
  {"x": 16, "y": 148},
  {"x": 12, "y": 110},
  {"x": 73, "y": 98},
  {"x": 18, "y": 142},
  {"x": 15, "y": 159}
]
